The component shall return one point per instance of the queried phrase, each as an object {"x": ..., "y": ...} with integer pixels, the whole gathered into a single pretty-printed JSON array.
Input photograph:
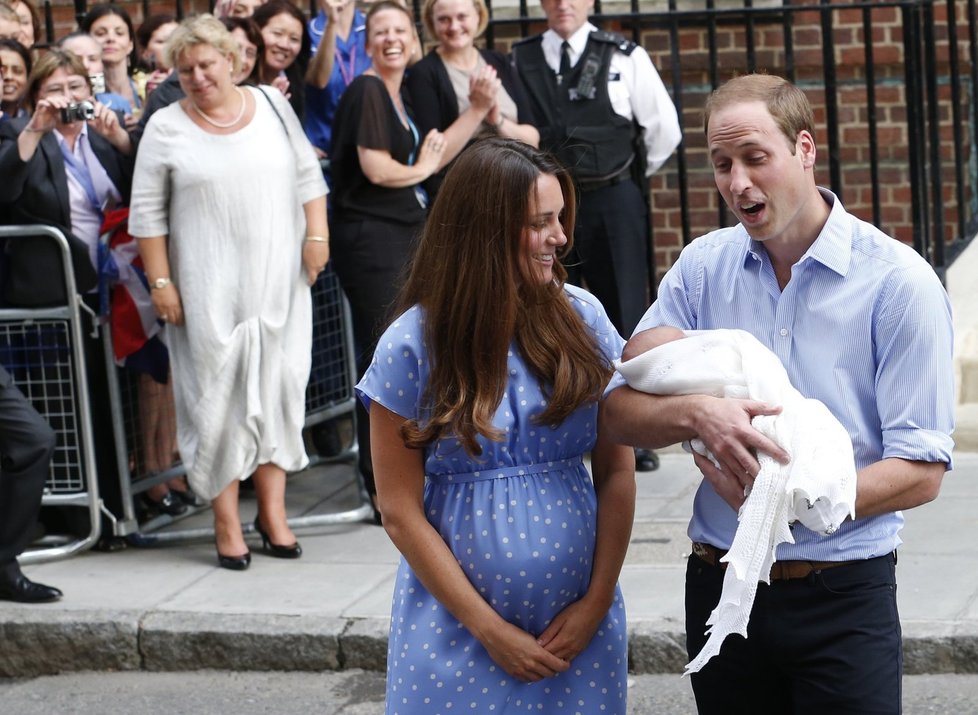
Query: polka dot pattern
[{"x": 521, "y": 523}]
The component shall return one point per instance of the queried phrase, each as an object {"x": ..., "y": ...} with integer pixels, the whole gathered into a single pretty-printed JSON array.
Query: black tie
[{"x": 565, "y": 63}]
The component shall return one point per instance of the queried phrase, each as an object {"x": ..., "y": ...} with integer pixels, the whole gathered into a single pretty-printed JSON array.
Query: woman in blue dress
[{"x": 483, "y": 397}]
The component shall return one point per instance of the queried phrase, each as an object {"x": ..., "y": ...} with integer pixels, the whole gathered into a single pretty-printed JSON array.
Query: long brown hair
[{"x": 468, "y": 277}]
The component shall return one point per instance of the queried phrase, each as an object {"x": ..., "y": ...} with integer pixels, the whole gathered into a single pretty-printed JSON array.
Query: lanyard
[
  {"x": 419, "y": 193},
  {"x": 350, "y": 72}
]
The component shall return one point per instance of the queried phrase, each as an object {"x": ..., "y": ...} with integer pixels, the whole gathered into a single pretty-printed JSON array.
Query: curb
[{"x": 65, "y": 641}]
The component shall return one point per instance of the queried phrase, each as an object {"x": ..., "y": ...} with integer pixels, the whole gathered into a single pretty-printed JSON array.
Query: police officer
[{"x": 602, "y": 109}]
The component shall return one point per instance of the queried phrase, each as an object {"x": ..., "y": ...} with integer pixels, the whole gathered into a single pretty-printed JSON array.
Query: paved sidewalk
[{"x": 170, "y": 607}]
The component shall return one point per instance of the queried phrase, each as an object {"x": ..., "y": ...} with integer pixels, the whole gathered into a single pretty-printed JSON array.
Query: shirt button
[{"x": 783, "y": 332}]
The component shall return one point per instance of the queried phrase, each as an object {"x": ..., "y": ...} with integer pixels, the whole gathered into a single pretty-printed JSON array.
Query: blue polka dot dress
[{"x": 521, "y": 523}]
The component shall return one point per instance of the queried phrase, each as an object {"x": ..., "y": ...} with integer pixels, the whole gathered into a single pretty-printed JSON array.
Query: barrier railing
[
  {"x": 42, "y": 349},
  {"x": 329, "y": 395}
]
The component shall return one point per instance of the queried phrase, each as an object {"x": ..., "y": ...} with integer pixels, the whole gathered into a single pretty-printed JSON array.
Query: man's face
[
  {"x": 565, "y": 17},
  {"x": 764, "y": 179}
]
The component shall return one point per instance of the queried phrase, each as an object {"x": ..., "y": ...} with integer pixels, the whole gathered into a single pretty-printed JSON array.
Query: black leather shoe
[
  {"x": 234, "y": 563},
  {"x": 646, "y": 460},
  {"x": 292, "y": 551},
  {"x": 169, "y": 505},
  {"x": 188, "y": 497},
  {"x": 22, "y": 590}
]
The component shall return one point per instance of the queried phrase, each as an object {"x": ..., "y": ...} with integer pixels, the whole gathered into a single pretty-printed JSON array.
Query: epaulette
[
  {"x": 528, "y": 40},
  {"x": 625, "y": 46}
]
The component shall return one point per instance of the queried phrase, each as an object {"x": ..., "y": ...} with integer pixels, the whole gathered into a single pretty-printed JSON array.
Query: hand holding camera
[
  {"x": 58, "y": 110},
  {"x": 78, "y": 112}
]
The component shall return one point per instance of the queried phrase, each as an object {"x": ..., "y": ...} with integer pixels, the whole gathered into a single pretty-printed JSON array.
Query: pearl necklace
[{"x": 222, "y": 125}]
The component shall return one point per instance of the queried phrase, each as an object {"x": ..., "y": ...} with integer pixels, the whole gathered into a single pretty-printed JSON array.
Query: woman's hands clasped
[
  {"x": 521, "y": 655},
  {"x": 483, "y": 88},
  {"x": 530, "y": 659}
]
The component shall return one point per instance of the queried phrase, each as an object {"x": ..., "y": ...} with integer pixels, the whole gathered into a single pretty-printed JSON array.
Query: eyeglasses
[{"x": 73, "y": 89}]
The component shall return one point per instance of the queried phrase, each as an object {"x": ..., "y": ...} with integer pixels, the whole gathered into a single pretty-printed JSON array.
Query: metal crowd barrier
[
  {"x": 329, "y": 394},
  {"x": 42, "y": 349}
]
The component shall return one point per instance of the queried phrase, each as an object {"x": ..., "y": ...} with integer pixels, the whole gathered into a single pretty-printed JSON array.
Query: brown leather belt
[{"x": 780, "y": 571}]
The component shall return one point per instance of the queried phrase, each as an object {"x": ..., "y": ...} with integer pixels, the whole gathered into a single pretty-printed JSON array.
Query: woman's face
[
  {"x": 65, "y": 83},
  {"x": 390, "y": 40},
  {"x": 544, "y": 232},
  {"x": 26, "y": 23},
  {"x": 205, "y": 74},
  {"x": 112, "y": 33},
  {"x": 249, "y": 54},
  {"x": 245, "y": 8},
  {"x": 456, "y": 23},
  {"x": 14, "y": 76},
  {"x": 283, "y": 40},
  {"x": 88, "y": 50},
  {"x": 154, "y": 48}
]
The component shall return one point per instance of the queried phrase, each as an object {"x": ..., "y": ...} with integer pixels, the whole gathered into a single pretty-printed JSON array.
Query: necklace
[{"x": 222, "y": 125}]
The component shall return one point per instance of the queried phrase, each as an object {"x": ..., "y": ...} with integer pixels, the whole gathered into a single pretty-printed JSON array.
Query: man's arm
[
  {"x": 894, "y": 484},
  {"x": 724, "y": 424}
]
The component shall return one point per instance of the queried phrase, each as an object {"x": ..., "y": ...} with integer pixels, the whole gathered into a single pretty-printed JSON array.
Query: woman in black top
[{"x": 379, "y": 160}]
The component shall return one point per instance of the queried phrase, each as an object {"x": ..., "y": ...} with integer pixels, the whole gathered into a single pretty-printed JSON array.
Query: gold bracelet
[{"x": 317, "y": 239}]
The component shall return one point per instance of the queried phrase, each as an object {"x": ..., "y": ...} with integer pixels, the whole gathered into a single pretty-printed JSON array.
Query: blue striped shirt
[{"x": 863, "y": 325}]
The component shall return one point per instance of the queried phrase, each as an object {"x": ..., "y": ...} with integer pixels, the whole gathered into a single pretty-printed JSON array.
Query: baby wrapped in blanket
[{"x": 817, "y": 487}]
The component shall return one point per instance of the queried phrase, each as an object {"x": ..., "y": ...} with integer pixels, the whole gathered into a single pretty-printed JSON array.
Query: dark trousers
[
  {"x": 371, "y": 260},
  {"x": 26, "y": 446},
  {"x": 828, "y": 643},
  {"x": 611, "y": 252}
]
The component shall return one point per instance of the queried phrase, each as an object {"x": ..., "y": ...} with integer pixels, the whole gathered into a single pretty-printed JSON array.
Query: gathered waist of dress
[{"x": 517, "y": 470}]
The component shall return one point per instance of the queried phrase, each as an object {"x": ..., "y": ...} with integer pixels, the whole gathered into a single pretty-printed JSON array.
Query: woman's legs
[
  {"x": 270, "y": 493},
  {"x": 227, "y": 522}
]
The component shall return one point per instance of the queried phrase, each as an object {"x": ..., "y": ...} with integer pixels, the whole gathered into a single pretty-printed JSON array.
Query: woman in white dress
[{"x": 230, "y": 206}]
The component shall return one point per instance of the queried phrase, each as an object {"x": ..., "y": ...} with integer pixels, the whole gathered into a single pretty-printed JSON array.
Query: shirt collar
[
  {"x": 577, "y": 41},
  {"x": 833, "y": 246},
  {"x": 82, "y": 134}
]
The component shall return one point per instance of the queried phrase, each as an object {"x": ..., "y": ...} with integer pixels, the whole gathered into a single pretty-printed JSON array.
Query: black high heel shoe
[
  {"x": 292, "y": 551},
  {"x": 234, "y": 563}
]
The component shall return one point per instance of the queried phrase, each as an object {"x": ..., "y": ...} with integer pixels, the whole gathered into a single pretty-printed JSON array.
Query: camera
[
  {"x": 98, "y": 83},
  {"x": 78, "y": 111}
]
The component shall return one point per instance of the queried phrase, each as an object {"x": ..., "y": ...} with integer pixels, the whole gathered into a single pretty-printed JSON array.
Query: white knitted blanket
[{"x": 817, "y": 488}]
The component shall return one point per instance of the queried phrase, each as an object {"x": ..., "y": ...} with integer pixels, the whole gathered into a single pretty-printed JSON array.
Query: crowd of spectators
[{"x": 383, "y": 120}]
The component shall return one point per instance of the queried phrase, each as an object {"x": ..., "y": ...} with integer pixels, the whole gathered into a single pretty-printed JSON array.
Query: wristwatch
[{"x": 161, "y": 283}]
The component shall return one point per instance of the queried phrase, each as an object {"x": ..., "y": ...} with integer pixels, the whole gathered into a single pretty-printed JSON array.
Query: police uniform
[{"x": 610, "y": 120}]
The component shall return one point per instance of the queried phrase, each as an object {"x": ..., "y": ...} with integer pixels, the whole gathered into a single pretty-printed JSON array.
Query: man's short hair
[{"x": 787, "y": 104}]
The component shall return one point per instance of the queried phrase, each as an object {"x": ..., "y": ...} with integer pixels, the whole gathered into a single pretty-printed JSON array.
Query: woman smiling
[
  {"x": 379, "y": 159},
  {"x": 287, "y": 44},
  {"x": 226, "y": 187},
  {"x": 440, "y": 86}
]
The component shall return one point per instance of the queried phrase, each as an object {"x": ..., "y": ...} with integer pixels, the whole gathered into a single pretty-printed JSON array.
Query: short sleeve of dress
[
  {"x": 399, "y": 368},
  {"x": 149, "y": 206},
  {"x": 373, "y": 130},
  {"x": 597, "y": 321}
]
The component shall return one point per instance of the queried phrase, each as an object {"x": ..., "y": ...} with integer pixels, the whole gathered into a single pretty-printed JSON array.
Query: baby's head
[{"x": 648, "y": 339}]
